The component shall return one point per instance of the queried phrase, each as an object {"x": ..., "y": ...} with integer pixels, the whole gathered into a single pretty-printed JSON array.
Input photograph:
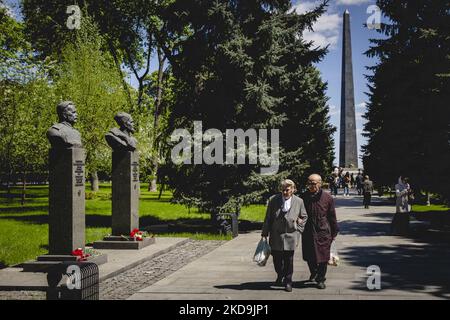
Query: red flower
[
  {"x": 133, "y": 232},
  {"x": 80, "y": 255},
  {"x": 78, "y": 252}
]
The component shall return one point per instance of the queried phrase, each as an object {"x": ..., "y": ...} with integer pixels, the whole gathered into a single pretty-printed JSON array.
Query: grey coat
[{"x": 282, "y": 228}]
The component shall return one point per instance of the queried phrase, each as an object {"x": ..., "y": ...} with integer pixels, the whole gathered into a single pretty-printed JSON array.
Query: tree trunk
[
  {"x": 24, "y": 189},
  {"x": 94, "y": 181},
  {"x": 152, "y": 186},
  {"x": 119, "y": 70},
  {"x": 159, "y": 89},
  {"x": 8, "y": 186},
  {"x": 428, "y": 199}
]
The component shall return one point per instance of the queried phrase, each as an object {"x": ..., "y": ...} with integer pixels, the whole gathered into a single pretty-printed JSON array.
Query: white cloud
[
  {"x": 352, "y": 2},
  {"x": 361, "y": 105},
  {"x": 326, "y": 29},
  {"x": 9, "y": 9},
  {"x": 333, "y": 110},
  {"x": 321, "y": 39},
  {"x": 303, "y": 6}
]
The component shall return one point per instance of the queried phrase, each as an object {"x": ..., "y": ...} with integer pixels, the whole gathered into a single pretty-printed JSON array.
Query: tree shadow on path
[{"x": 420, "y": 265}]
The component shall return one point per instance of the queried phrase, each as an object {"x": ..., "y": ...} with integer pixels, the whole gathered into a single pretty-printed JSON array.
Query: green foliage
[
  {"x": 407, "y": 115},
  {"x": 88, "y": 78},
  {"x": 244, "y": 64},
  {"x": 153, "y": 122},
  {"x": 11, "y": 36},
  {"x": 25, "y": 98}
]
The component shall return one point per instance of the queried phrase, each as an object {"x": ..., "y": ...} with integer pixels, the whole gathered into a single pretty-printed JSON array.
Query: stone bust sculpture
[
  {"x": 62, "y": 135},
  {"x": 120, "y": 139}
]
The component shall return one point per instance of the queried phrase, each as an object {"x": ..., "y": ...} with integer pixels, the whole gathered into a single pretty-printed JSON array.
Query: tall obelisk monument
[{"x": 348, "y": 154}]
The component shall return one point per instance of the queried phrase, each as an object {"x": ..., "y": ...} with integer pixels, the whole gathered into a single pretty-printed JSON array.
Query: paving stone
[{"x": 129, "y": 282}]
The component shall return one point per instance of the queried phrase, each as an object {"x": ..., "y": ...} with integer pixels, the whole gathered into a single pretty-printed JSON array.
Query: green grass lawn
[
  {"x": 24, "y": 230},
  {"x": 431, "y": 208}
]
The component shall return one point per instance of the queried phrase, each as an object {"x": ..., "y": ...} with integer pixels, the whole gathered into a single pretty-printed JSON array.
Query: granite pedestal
[
  {"x": 125, "y": 203},
  {"x": 66, "y": 209}
]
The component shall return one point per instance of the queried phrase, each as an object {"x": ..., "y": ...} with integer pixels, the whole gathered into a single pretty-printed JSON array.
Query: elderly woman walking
[{"x": 285, "y": 220}]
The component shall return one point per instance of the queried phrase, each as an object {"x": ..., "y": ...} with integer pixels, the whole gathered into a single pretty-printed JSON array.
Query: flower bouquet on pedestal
[
  {"x": 83, "y": 255},
  {"x": 136, "y": 239},
  {"x": 137, "y": 235}
]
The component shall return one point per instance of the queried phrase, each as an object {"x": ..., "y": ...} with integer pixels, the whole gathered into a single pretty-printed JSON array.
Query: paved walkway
[
  {"x": 145, "y": 274},
  {"x": 411, "y": 268}
]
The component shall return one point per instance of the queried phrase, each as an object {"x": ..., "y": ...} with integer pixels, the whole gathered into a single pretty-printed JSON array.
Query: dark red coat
[{"x": 321, "y": 226}]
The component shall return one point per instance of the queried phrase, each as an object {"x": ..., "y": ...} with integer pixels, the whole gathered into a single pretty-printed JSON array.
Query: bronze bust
[
  {"x": 62, "y": 135},
  {"x": 120, "y": 139}
]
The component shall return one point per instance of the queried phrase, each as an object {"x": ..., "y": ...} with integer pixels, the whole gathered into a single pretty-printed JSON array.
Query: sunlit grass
[
  {"x": 431, "y": 208},
  {"x": 24, "y": 229}
]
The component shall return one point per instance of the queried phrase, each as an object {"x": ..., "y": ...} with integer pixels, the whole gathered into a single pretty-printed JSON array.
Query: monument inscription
[{"x": 79, "y": 173}]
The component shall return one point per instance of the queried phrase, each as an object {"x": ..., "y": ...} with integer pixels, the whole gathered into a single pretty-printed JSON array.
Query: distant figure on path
[
  {"x": 359, "y": 183},
  {"x": 368, "y": 190},
  {"x": 334, "y": 183},
  {"x": 320, "y": 230},
  {"x": 346, "y": 183},
  {"x": 285, "y": 219},
  {"x": 63, "y": 135},
  {"x": 400, "y": 222}
]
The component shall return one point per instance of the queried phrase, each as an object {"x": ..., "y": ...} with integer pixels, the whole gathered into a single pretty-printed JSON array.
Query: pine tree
[
  {"x": 408, "y": 128},
  {"x": 245, "y": 65}
]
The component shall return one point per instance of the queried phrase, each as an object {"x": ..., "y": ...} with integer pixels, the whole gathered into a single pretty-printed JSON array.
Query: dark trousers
[
  {"x": 283, "y": 262},
  {"x": 367, "y": 199},
  {"x": 319, "y": 269},
  {"x": 334, "y": 189},
  {"x": 359, "y": 189}
]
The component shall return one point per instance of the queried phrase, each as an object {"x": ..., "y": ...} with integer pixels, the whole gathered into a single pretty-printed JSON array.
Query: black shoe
[
  {"x": 288, "y": 287},
  {"x": 321, "y": 285},
  {"x": 279, "y": 281},
  {"x": 313, "y": 277}
]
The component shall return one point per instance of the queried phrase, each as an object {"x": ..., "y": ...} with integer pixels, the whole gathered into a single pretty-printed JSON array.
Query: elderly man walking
[
  {"x": 320, "y": 229},
  {"x": 285, "y": 220}
]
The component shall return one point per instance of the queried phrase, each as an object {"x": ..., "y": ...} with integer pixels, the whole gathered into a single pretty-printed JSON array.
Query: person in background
[
  {"x": 285, "y": 219},
  {"x": 352, "y": 180},
  {"x": 359, "y": 183},
  {"x": 333, "y": 182},
  {"x": 368, "y": 190},
  {"x": 346, "y": 183},
  {"x": 400, "y": 222},
  {"x": 320, "y": 229}
]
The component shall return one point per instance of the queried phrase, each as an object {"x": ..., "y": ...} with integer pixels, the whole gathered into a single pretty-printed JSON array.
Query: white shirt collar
[{"x": 286, "y": 204}]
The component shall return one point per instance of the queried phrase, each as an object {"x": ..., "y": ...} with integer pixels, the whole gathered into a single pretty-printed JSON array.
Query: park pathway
[{"x": 416, "y": 267}]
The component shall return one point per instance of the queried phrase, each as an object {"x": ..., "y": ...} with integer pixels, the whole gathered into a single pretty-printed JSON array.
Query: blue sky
[{"x": 327, "y": 31}]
